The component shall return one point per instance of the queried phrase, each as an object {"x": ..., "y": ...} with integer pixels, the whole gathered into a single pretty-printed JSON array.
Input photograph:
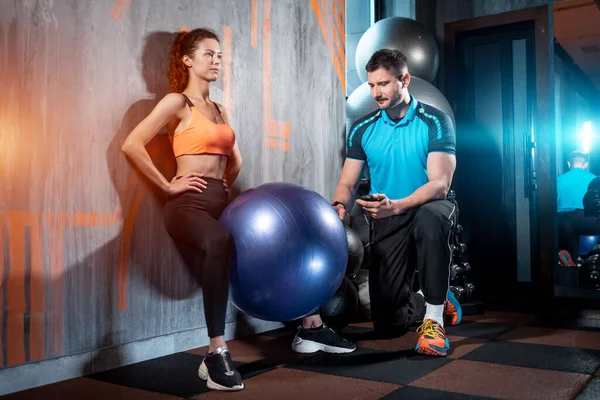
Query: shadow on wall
[
  {"x": 128, "y": 282},
  {"x": 140, "y": 200}
]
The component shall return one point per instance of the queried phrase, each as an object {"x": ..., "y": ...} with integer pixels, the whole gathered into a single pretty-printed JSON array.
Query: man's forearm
[
  {"x": 434, "y": 190},
  {"x": 344, "y": 195}
]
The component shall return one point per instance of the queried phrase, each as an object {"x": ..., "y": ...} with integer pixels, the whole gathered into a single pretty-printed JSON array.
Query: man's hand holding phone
[
  {"x": 377, "y": 205},
  {"x": 368, "y": 197}
]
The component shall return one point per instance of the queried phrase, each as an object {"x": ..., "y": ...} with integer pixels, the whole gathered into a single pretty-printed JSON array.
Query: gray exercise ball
[
  {"x": 407, "y": 35},
  {"x": 360, "y": 102}
]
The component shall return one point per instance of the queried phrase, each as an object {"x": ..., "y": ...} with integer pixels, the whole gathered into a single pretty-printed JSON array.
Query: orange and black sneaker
[
  {"x": 452, "y": 310},
  {"x": 432, "y": 339}
]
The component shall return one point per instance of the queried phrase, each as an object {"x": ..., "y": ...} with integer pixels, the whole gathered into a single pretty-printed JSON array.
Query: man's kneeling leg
[
  {"x": 432, "y": 233},
  {"x": 394, "y": 307}
]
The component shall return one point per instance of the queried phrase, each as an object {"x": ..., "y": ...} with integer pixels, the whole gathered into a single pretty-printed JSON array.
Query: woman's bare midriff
[{"x": 209, "y": 165}]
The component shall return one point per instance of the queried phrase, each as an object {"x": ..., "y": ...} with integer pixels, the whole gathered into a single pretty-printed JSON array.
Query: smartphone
[{"x": 368, "y": 197}]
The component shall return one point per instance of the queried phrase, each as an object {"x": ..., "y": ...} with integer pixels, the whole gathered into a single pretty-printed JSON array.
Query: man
[
  {"x": 571, "y": 187},
  {"x": 409, "y": 148}
]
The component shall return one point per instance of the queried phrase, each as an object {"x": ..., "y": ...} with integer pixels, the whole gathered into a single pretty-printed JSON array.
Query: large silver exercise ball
[
  {"x": 407, "y": 35},
  {"x": 360, "y": 102}
]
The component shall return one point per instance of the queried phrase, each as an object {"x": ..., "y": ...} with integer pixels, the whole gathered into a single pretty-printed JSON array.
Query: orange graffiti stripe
[
  {"x": 19, "y": 220},
  {"x": 227, "y": 65},
  {"x": 338, "y": 43},
  {"x": 278, "y": 144},
  {"x": 334, "y": 34},
  {"x": 322, "y": 23},
  {"x": 338, "y": 39},
  {"x": 340, "y": 5},
  {"x": 120, "y": 9},
  {"x": 272, "y": 128},
  {"x": 15, "y": 223},
  {"x": 266, "y": 65},
  {"x": 254, "y": 23},
  {"x": 342, "y": 8},
  {"x": 37, "y": 319},
  {"x": 340, "y": 26},
  {"x": 92, "y": 219},
  {"x": 16, "y": 306},
  {"x": 279, "y": 129}
]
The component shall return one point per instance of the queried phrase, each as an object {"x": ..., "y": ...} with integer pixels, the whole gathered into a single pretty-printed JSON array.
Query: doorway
[
  {"x": 494, "y": 73},
  {"x": 494, "y": 146}
]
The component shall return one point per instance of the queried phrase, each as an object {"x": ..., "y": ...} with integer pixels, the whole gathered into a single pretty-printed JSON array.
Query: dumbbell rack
[
  {"x": 461, "y": 283},
  {"x": 460, "y": 271}
]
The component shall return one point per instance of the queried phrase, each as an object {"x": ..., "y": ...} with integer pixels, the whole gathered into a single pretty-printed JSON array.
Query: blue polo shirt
[
  {"x": 396, "y": 152},
  {"x": 571, "y": 187}
]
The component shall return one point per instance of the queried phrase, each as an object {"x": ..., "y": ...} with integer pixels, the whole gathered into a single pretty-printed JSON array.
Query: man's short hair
[
  {"x": 577, "y": 157},
  {"x": 391, "y": 59}
]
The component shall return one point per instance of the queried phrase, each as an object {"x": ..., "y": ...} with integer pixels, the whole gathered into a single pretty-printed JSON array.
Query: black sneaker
[
  {"x": 323, "y": 339},
  {"x": 218, "y": 371}
]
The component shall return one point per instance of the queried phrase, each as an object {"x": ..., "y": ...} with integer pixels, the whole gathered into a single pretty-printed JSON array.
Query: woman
[{"x": 208, "y": 158}]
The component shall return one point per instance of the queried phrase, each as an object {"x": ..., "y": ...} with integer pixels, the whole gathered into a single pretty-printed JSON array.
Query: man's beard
[{"x": 390, "y": 103}]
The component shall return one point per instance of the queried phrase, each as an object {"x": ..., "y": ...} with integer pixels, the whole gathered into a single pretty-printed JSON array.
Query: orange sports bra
[{"x": 203, "y": 136}]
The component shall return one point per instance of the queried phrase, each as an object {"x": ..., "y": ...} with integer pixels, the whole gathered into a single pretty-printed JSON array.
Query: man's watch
[{"x": 335, "y": 203}]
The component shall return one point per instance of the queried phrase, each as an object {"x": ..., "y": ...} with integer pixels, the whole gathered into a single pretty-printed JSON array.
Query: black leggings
[
  {"x": 401, "y": 244},
  {"x": 191, "y": 218}
]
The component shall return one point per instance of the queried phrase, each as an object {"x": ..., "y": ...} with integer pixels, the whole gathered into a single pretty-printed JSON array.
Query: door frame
[
  {"x": 504, "y": 36},
  {"x": 544, "y": 256}
]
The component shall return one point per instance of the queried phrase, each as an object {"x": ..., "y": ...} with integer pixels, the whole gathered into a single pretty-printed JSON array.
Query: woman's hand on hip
[
  {"x": 225, "y": 185},
  {"x": 190, "y": 182}
]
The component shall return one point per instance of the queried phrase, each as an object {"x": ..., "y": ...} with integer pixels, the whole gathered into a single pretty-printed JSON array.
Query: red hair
[{"x": 185, "y": 43}]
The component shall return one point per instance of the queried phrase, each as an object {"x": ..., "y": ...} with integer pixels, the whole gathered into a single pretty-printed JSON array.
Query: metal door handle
[{"x": 529, "y": 161}]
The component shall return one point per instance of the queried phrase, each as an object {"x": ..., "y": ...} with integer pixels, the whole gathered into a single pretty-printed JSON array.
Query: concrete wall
[{"x": 85, "y": 262}]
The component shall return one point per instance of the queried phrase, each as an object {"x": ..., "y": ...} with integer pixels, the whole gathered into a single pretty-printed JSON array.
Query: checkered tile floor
[{"x": 496, "y": 355}]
